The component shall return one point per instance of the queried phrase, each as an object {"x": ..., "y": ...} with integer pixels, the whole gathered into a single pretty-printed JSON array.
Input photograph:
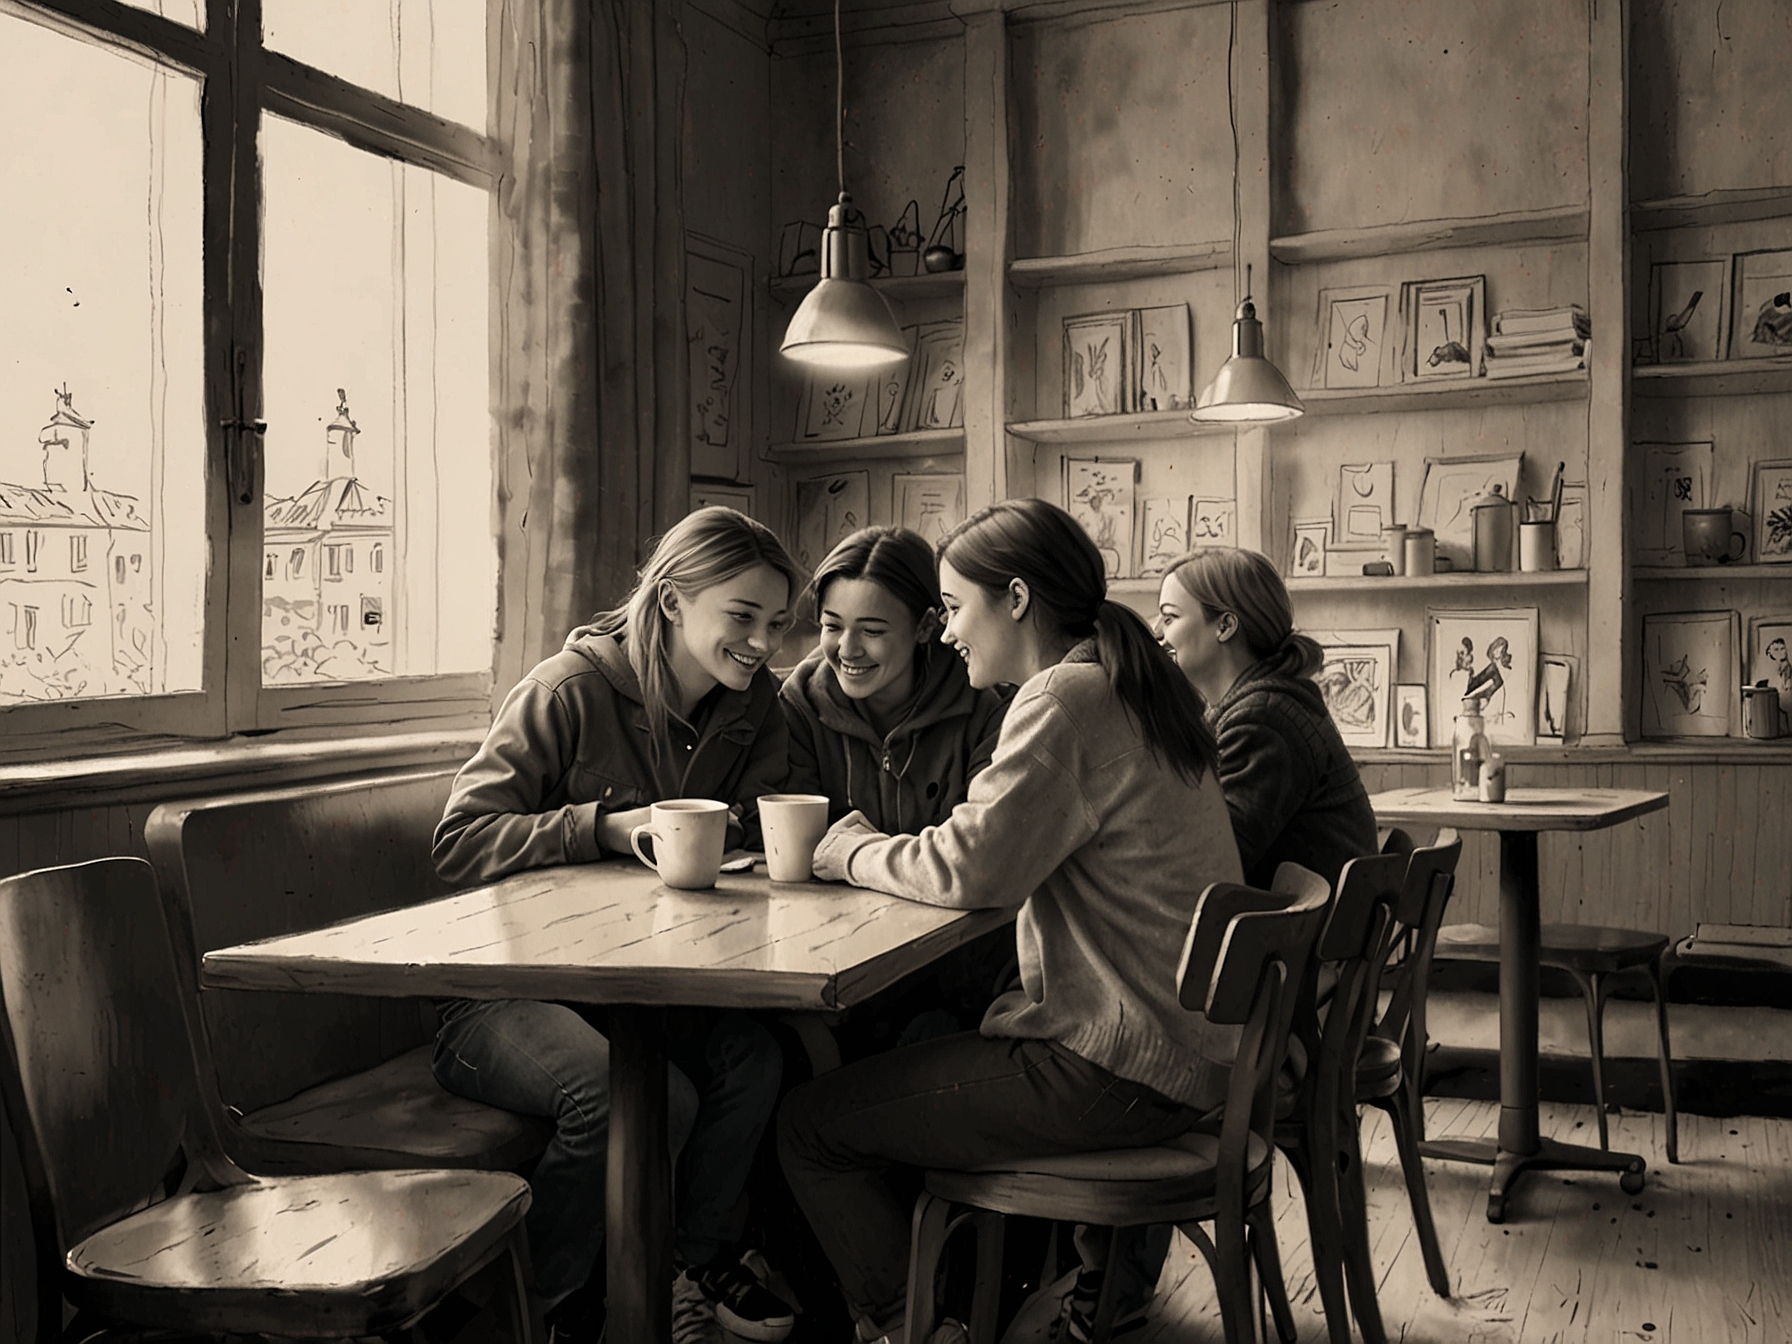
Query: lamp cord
[
  {"x": 1232, "y": 117},
  {"x": 840, "y": 102}
]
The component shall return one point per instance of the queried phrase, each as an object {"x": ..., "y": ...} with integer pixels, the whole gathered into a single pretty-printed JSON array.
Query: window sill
[{"x": 181, "y": 769}]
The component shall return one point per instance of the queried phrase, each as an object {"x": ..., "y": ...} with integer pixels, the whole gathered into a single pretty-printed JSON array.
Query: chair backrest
[
  {"x": 262, "y": 863},
  {"x": 1419, "y": 914},
  {"x": 1355, "y": 941},
  {"x": 98, "y": 1068},
  {"x": 1265, "y": 947},
  {"x": 1213, "y": 917}
]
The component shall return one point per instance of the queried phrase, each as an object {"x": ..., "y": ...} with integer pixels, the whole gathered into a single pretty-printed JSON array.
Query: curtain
[{"x": 594, "y": 438}]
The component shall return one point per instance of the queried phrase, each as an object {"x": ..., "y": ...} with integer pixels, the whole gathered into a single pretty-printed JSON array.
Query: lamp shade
[
  {"x": 1248, "y": 388},
  {"x": 843, "y": 322}
]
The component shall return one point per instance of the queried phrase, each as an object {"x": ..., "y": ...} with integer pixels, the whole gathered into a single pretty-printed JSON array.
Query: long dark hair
[
  {"x": 894, "y": 558},
  {"x": 1044, "y": 546},
  {"x": 1246, "y": 584}
]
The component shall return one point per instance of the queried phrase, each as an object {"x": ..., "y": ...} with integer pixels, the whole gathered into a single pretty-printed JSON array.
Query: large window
[{"x": 246, "y": 302}]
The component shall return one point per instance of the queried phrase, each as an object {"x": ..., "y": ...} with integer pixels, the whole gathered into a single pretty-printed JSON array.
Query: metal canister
[
  {"x": 1492, "y": 514},
  {"x": 1760, "y": 711}
]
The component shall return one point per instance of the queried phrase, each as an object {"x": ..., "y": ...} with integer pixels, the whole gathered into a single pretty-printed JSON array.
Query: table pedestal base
[
  {"x": 1550, "y": 1155},
  {"x": 639, "y": 1215}
]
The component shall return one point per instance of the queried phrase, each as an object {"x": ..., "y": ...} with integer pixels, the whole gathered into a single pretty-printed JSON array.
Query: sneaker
[
  {"x": 693, "y": 1315},
  {"x": 742, "y": 1304},
  {"x": 1076, "y": 1320}
]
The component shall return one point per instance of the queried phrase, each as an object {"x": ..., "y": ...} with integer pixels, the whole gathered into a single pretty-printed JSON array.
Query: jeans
[
  {"x": 954, "y": 1103},
  {"x": 546, "y": 1059}
]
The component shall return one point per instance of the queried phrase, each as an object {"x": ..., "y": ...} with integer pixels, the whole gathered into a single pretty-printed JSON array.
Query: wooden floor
[{"x": 1704, "y": 1253}]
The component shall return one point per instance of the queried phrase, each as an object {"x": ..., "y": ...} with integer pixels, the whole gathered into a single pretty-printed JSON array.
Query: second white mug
[{"x": 793, "y": 824}]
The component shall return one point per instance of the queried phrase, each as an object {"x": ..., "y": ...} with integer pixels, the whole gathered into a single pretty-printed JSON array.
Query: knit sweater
[
  {"x": 1292, "y": 788},
  {"x": 1106, "y": 850}
]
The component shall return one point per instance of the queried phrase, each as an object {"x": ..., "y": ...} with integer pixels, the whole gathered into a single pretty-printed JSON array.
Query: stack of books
[{"x": 1538, "y": 340}]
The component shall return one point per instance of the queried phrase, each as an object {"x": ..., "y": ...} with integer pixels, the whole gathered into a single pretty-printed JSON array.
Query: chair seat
[
  {"x": 1592, "y": 949},
  {"x": 355, "y": 1254},
  {"x": 397, "y": 1115},
  {"x": 1377, "y": 1067},
  {"x": 1111, "y": 1187}
]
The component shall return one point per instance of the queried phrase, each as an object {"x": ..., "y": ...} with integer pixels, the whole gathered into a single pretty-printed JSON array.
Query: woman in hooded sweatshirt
[
  {"x": 884, "y": 720},
  {"x": 667, "y": 696},
  {"x": 1100, "y": 819}
]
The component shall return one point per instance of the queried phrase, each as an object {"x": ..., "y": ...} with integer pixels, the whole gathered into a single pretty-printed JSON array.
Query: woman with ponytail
[
  {"x": 1293, "y": 791},
  {"x": 1100, "y": 818}
]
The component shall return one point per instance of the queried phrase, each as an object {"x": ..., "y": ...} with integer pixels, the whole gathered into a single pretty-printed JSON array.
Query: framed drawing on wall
[
  {"x": 1492, "y": 655},
  {"x": 1365, "y": 505},
  {"x": 1772, "y": 507},
  {"x": 1097, "y": 380},
  {"x": 738, "y": 497},
  {"x": 929, "y": 504},
  {"x": 1163, "y": 358},
  {"x": 1687, "y": 310},
  {"x": 1450, "y": 486},
  {"x": 1357, "y": 680},
  {"x": 1445, "y": 324},
  {"x": 1214, "y": 523},
  {"x": 1411, "y": 721},
  {"x": 1770, "y": 655},
  {"x": 1352, "y": 339},
  {"x": 1307, "y": 558},
  {"x": 1166, "y": 534},
  {"x": 1099, "y": 493},
  {"x": 719, "y": 329},
  {"x": 828, "y": 510},
  {"x": 1691, "y": 679},
  {"x": 1761, "y": 308},
  {"x": 1675, "y": 477},
  {"x": 1555, "y": 704}
]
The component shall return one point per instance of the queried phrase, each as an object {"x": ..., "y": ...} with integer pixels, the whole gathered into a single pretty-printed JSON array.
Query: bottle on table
[{"x": 1469, "y": 748}]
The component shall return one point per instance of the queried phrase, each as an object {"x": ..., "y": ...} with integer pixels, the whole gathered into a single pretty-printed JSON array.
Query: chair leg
[
  {"x": 514, "y": 1284},
  {"x": 1318, "y": 1193},
  {"x": 1260, "y": 1221},
  {"x": 1233, "y": 1283},
  {"x": 1353, "y": 1226},
  {"x": 1592, "y": 990},
  {"x": 932, "y": 1224},
  {"x": 1407, "y": 1136},
  {"x": 1105, "y": 1302},
  {"x": 1664, "y": 1057},
  {"x": 986, "y": 1299}
]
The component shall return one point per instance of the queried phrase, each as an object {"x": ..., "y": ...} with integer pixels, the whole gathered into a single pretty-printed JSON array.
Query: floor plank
[{"x": 1704, "y": 1253}]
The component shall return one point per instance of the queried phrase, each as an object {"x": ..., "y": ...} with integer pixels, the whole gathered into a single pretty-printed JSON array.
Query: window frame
[{"x": 240, "y": 80}]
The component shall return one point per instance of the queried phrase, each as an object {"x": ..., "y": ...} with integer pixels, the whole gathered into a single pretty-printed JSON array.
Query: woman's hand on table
[
  {"x": 613, "y": 828},
  {"x": 836, "y": 847}
]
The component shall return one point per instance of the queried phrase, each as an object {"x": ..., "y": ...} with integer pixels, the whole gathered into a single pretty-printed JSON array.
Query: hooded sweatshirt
[
  {"x": 1106, "y": 850},
  {"x": 1291, "y": 786},
  {"x": 907, "y": 780},
  {"x": 571, "y": 743}
]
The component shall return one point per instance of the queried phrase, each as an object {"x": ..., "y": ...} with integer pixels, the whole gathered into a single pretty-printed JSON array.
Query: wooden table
[
  {"x": 609, "y": 933},
  {"x": 1518, "y": 820}
]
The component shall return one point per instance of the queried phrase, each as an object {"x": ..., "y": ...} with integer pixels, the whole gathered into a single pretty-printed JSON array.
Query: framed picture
[
  {"x": 929, "y": 504},
  {"x": 1307, "y": 560},
  {"x": 1491, "y": 654},
  {"x": 1446, "y": 328},
  {"x": 828, "y": 510},
  {"x": 719, "y": 329},
  {"x": 1214, "y": 523},
  {"x": 1772, "y": 508},
  {"x": 1353, "y": 328},
  {"x": 732, "y": 496},
  {"x": 1451, "y": 484},
  {"x": 1770, "y": 655},
  {"x": 1571, "y": 527},
  {"x": 832, "y": 406},
  {"x": 1691, "y": 678},
  {"x": 1096, "y": 350},
  {"x": 1675, "y": 477},
  {"x": 1164, "y": 358},
  {"x": 1412, "y": 726},
  {"x": 1686, "y": 310},
  {"x": 1364, "y": 505},
  {"x": 887, "y": 393},
  {"x": 1099, "y": 493},
  {"x": 1761, "y": 304},
  {"x": 1166, "y": 534},
  {"x": 935, "y": 397},
  {"x": 1555, "y": 685},
  {"x": 1357, "y": 680}
]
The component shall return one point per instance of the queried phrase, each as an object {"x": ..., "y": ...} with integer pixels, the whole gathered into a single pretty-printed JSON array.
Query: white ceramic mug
[
  {"x": 1536, "y": 546},
  {"x": 689, "y": 835},
  {"x": 793, "y": 824}
]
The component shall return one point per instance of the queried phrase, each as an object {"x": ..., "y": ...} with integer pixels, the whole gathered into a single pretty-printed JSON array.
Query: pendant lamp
[
  {"x": 1248, "y": 389},
  {"x": 843, "y": 322}
]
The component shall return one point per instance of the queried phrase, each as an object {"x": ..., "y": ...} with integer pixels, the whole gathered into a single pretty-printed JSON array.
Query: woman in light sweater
[{"x": 1101, "y": 818}]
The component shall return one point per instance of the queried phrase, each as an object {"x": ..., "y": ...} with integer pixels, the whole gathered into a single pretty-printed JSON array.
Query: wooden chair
[
  {"x": 1592, "y": 954},
  {"x": 1246, "y": 954},
  {"x": 320, "y": 1082},
  {"x": 139, "y": 1218}
]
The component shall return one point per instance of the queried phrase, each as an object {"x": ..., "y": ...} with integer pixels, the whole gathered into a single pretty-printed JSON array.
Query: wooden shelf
[
  {"x": 919, "y": 443},
  {"x": 1712, "y": 573},
  {"x": 1714, "y": 207},
  {"x": 1447, "y": 394},
  {"x": 896, "y": 287},
  {"x": 1119, "y": 263},
  {"x": 1430, "y": 583},
  {"x": 1712, "y": 378},
  {"x": 1565, "y": 223},
  {"x": 1118, "y": 428},
  {"x": 1681, "y": 750}
]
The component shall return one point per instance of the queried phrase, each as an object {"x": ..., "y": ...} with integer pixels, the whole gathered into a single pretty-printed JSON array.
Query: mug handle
[
  {"x": 1735, "y": 537},
  {"x": 634, "y": 843}
]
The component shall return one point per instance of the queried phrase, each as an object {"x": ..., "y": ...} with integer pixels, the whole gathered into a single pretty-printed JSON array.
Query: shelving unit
[
  {"x": 917, "y": 443},
  {"x": 1118, "y": 428},
  {"x": 1439, "y": 583},
  {"x": 1447, "y": 394},
  {"x": 1393, "y": 240},
  {"x": 1713, "y": 378},
  {"x": 1713, "y": 573},
  {"x": 1119, "y": 263}
]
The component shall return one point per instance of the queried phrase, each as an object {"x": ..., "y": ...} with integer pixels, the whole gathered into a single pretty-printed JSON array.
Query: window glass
[
  {"x": 189, "y": 12},
  {"x": 377, "y": 396},
  {"x": 102, "y": 421},
  {"x": 428, "y": 53}
]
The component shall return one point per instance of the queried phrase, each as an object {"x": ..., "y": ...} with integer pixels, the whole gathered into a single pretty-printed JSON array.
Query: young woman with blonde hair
[{"x": 667, "y": 696}]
